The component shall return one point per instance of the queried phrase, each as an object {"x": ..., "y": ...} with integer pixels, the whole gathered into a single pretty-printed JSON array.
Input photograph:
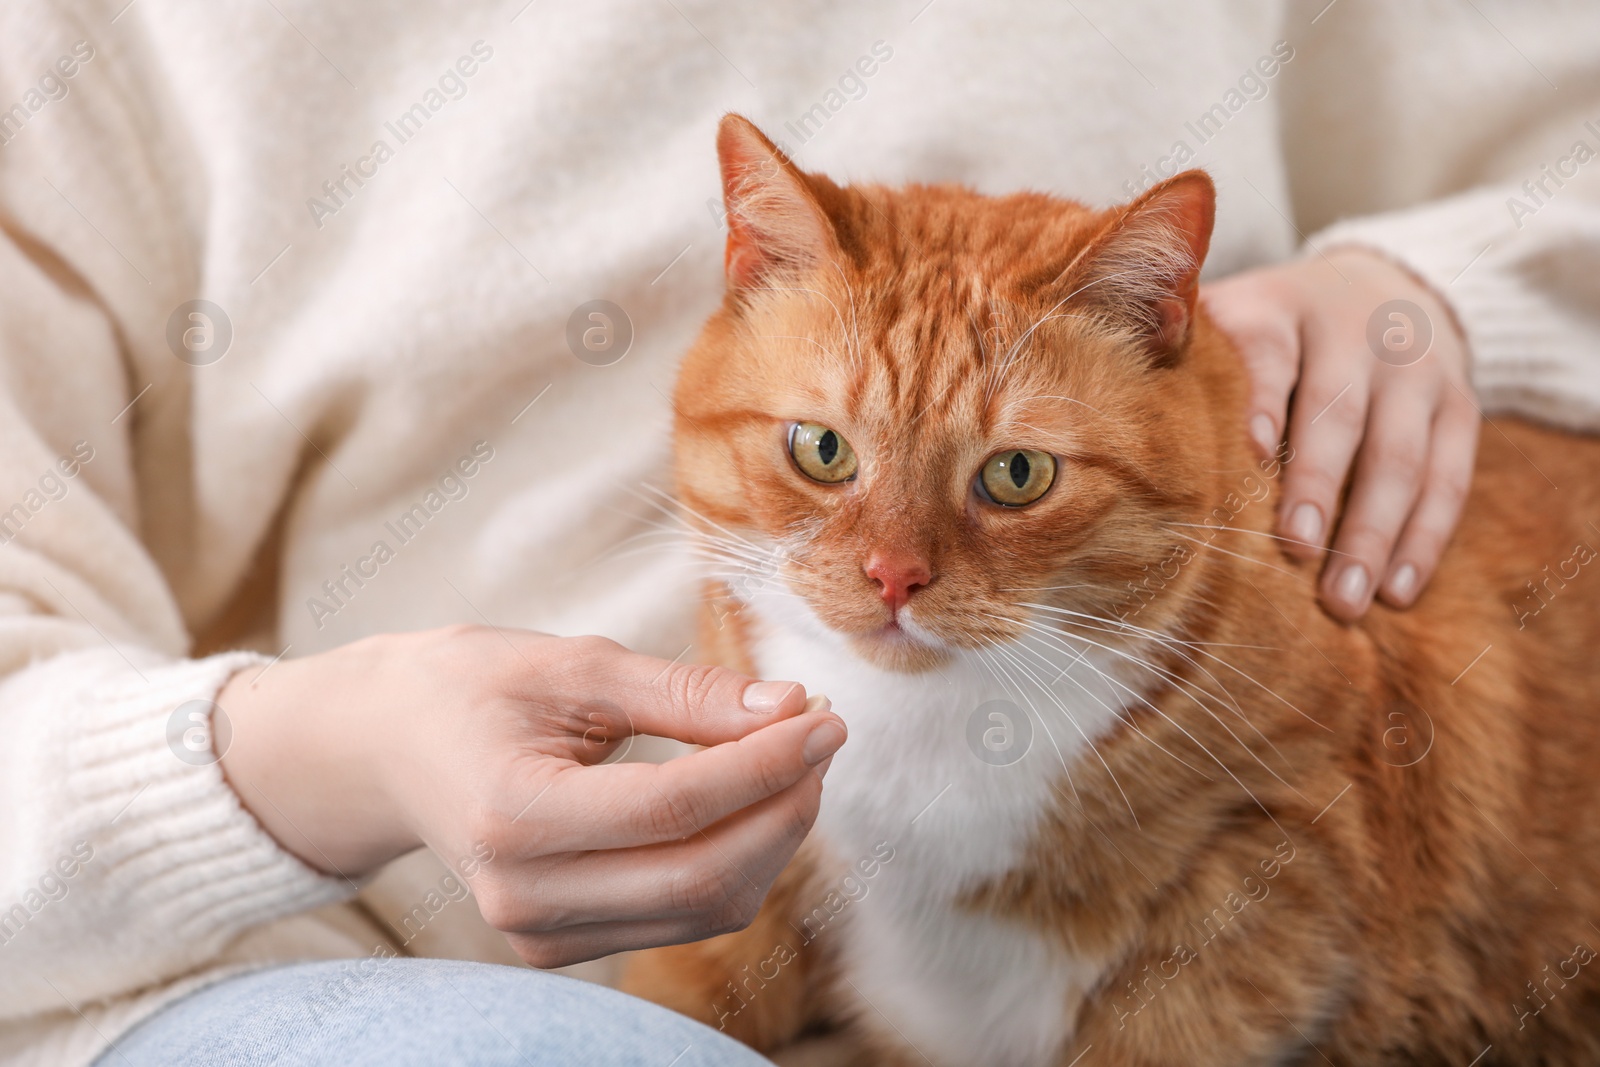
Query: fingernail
[
  {"x": 822, "y": 768},
  {"x": 1264, "y": 433},
  {"x": 763, "y": 698},
  {"x": 1403, "y": 582},
  {"x": 823, "y": 741},
  {"x": 1351, "y": 585},
  {"x": 1305, "y": 524}
]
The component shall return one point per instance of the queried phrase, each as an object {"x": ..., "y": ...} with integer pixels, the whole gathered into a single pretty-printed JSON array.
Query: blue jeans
[{"x": 395, "y": 1012}]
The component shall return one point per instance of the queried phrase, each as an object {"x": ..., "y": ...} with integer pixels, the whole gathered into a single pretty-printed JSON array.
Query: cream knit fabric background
[{"x": 377, "y": 338}]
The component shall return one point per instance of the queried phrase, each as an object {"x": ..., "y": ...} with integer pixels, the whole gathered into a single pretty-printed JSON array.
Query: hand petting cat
[{"x": 1405, "y": 437}]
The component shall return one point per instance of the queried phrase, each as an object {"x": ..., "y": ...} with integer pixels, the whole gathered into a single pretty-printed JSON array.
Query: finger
[
  {"x": 579, "y": 944},
  {"x": 729, "y": 865},
  {"x": 1326, "y": 423},
  {"x": 696, "y": 703},
  {"x": 625, "y": 805},
  {"x": 1444, "y": 492},
  {"x": 1264, "y": 332},
  {"x": 1383, "y": 492}
]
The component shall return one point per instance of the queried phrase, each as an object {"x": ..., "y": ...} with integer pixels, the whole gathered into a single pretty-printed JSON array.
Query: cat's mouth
[{"x": 901, "y": 644}]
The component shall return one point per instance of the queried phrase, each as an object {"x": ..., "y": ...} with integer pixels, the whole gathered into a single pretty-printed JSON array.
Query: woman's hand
[
  {"x": 486, "y": 743},
  {"x": 1372, "y": 401}
]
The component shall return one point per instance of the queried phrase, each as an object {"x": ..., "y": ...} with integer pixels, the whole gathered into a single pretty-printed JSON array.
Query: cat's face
[{"x": 922, "y": 412}]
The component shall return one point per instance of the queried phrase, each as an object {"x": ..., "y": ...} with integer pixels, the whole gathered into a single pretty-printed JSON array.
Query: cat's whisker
[
  {"x": 1068, "y": 399},
  {"x": 1050, "y": 435},
  {"x": 1187, "y": 689},
  {"x": 997, "y": 670},
  {"x": 1235, "y": 555},
  {"x": 1067, "y": 714},
  {"x": 761, "y": 554},
  {"x": 1012, "y": 355},
  {"x": 1231, "y": 703},
  {"x": 1000, "y": 365},
  {"x": 661, "y": 532},
  {"x": 855, "y": 322},
  {"x": 1052, "y": 440},
  {"x": 694, "y": 551},
  {"x": 661, "y": 500},
  {"x": 1267, "y": 689},
  {"x": 742, "y": 545},
  {"x": 1223, "y": 766},
  {"x": 1005, "y": 363},
  {"x": 664, "y": 534},
  {"x": 1261, "y": 533},
  {"x": 1119, "y": 628},
  {"x": 1041, "y": 320},
  {"x": 746, "y": 547},
  {"x": 1193, "y": 692},
  {"x": 687, "y": 534},
  {"x": 655, "y": 497},
  {"x": 1174, "y": 644},
  {"x": 687, "y": 538},
  {"x": 1063, "y": 639},
  {"x": 1200, "y": 648},
  {"x": 1122, "y": 626},
  {"x": 748, "y": 567},
  {"x": 708, "y": 547},
  {"x": 983, "y": 346},
  {"x": 802, "y": 530},
  {"x": 987, "y": 351},
  {"x": 746, "y": 595},
  {"x": 1236, "y": 738},
  {"x": 1066, "y": 673},
  {"x": 650, "y": 487},
  {"x": 1021, "y": 694}
]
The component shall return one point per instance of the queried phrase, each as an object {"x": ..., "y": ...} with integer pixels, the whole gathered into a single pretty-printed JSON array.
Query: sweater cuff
[
  {"x": 177, "y": 831},
  {"x": 1492, "y": 267},
  {"x": 166, "y": 865}
]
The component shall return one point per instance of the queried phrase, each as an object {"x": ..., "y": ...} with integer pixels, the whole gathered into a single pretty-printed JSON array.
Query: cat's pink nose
[{"x": 898, "y": 576}]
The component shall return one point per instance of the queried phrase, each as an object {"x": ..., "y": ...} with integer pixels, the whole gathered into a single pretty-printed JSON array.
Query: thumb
[{"x": 696, "y": 703}]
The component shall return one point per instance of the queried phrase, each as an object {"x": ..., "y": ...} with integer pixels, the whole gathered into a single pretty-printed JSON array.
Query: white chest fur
[{"x": 962, "y": 988}]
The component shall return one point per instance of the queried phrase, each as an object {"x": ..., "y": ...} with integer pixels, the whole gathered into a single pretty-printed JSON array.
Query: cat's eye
[
  {"x": 821, "y": 453},
  {"x": 1017, "y": 477}
]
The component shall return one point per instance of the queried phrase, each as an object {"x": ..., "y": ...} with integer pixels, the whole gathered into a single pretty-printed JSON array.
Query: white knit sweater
[{"x": 398, "y": 207}]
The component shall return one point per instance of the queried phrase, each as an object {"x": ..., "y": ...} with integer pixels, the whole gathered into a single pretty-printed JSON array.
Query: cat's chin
[{"x": 894, "y": 649}]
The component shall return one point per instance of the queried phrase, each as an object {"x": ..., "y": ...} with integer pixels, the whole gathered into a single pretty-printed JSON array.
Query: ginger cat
[{"x": 1117, "y": 791}]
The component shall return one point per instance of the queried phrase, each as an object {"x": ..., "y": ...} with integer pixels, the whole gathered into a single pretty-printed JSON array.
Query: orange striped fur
[{"x": 1308, "y": 842}]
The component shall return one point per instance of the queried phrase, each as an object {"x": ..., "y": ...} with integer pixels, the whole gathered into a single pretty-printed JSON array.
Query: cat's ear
[
  {"x": 776, "y": 227},
  {"x": 1143, "y": 269}
]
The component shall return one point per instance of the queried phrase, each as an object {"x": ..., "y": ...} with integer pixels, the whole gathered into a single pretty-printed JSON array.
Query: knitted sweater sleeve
[
  {"x": 125, "y": 857},
  {"x": 1467, "y": 151}
]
